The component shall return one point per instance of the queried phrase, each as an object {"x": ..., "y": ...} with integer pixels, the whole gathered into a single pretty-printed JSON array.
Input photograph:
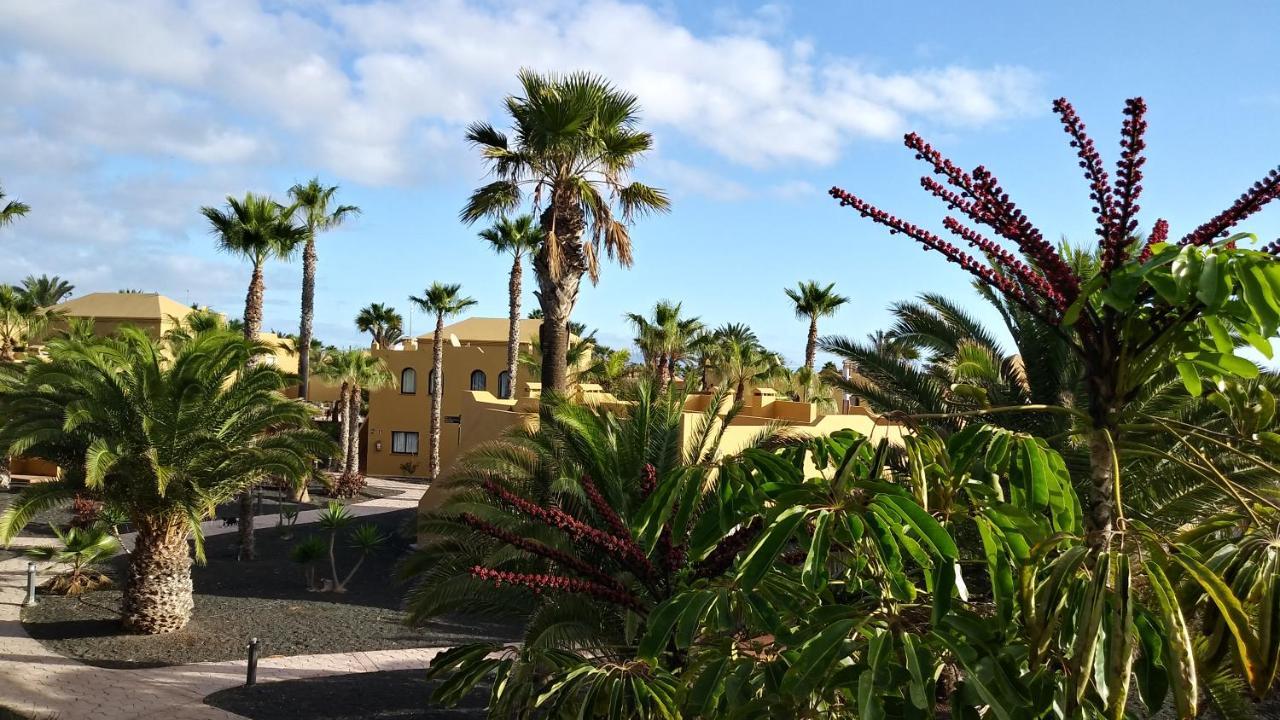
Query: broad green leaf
[
  {"x": 767, "y": 548},
  {"x": 814, "y": 574},
  {"x": 816, "y": 656}
]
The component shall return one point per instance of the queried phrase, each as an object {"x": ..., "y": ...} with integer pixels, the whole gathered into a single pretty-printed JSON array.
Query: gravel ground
[
  {"x": 266, "y": 598},
  {"x": 391, "y": 695}
]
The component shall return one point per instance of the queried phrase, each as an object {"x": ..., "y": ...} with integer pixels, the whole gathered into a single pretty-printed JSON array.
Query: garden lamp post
[{"x": 30, "y": 600}]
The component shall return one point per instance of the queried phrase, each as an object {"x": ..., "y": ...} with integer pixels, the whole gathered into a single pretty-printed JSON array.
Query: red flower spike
[
  {"x": 1159, "y": 234},
  {"x": 545, "y": 551},
  {"x": 1128, "y": 182},
  {"x": 1007, "y": 261},
  {"x": 1094, "y": 172},
  {"x": 539, "y": 583},
  {"x": 1262, "y": 192},
  {"x": 603, "y": 508},
  {"x": 648, "y": 480},
  {"x": 719, "y": 559}
]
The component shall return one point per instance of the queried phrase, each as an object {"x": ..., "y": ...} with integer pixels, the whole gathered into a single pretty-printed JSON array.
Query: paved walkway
[{"x": 42, "y": 684}]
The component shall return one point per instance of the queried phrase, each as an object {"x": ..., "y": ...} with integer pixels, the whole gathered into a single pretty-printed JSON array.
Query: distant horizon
[{"x": 122, "y": 122}]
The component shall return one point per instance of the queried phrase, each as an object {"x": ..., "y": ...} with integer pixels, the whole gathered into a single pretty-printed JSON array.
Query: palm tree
[
  {"x": 21, "y": 320},
  {"x": 443, "y": 301},
  {"x": 354, "y": 371},
  {"x": 312, "y": 200},
  {"x": 257, "y": 228},
  {"x": 575, "y": 143},
  {"x": 11, "y": 210},
  {"x": 514, "y": 237},
  {"x": 664, "y": 339},
  {"x": 164, "y": 431},
  {"x": 744, "y": 363},
  {"x": 813, "y": 301},
  {"x": 47, "y": 291},
  {"x": 384, "y": 325}
]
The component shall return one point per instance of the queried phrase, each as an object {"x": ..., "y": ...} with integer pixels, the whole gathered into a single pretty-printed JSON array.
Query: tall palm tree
[
  {"x": 813, "y": 301},
  {"x": 259, "y": 229},
  {"x": 384, "y": 325},
  {"x": 575, "y": 143},
  {"x": 515, "y": 237},
  {"x": 47, "y": 291},
  {"x": 11, "y": 210},
  {"x": 163, "y": 430},
  {"x": 443, "y": 301},
  {"x": 313, "y": 201},
  {"x": 664, "y": 339},
  {"x": 354, "y": 371},
  {"x": 21, "y": 320},
  {"x": 744, "y": 363}
]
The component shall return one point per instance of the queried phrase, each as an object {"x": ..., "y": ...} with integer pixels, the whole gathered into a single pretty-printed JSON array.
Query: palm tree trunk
[
  {"x": 6, "y": 478},
  {"x": 6, "y": 349},
  {"x": 664, "y": 373},
  {"x": 437, "y": 395},
  {"x": 244, "y": 526},
  {"x": 157, "y": 596},
  {"x": 253, "y": 304},
  {"x": 513, "y": 334},
  {"x": 308, "y": 311},
  {"x": 344, "y": 425},
  {"x": 352, "y": 465},
  {"x": 1102, "y": 481},
  {"x": 811, "y": 348},
  {"x": 558, "y": 282}
]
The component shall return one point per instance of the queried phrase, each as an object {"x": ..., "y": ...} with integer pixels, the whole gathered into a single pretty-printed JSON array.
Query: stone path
[{"x": 44, "y": 685}]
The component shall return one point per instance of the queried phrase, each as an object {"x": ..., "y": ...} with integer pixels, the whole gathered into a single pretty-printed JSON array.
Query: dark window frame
[
  {"x": 414, "y": 374},
  {"x": 405, "y": 435}
]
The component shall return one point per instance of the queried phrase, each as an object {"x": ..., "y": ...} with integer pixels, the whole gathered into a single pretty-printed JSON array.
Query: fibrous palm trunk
[
  {"x": 157, "y": 596},
  {"x": 308, "y": 311},
  {"x": 437, "y": 395},
  {"x": 351, "y": 466},
  {"x": 559, "y": 278},
  {"x": 6, "y": 478},
  {"x": 811, "y": 348},
  {"x": 252, "y": 324},
  {"x": 7, "y": 353},
  {"x": 513, "y": 333},
  {"x": 344, "y": 425}
]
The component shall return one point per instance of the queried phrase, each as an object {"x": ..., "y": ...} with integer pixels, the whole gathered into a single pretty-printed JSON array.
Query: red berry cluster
[
  {"x": 1262, "y": 192},
  {"x": 1128, "y": 181},
  {"x": 603, "y": 508},
  {"x": 648, "y": 480},
  {"x": 539, "y": 583},
  {"x": 1091, "y": 162},
  {"x": 719, "y": 559},
  {"x": 536, "y": 548},
  {"x": 1159, "y": 234}
]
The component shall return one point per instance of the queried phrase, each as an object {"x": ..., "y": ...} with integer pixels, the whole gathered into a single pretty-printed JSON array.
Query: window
[
  {"x": 404, "y": 443},
  {"x": 504, "y": 384},
  {"x": 478, "y": 380},
  {"x": 408, "y": 381}
]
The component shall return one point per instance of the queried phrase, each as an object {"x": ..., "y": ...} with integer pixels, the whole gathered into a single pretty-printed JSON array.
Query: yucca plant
[{"x": 365, "y": 539}]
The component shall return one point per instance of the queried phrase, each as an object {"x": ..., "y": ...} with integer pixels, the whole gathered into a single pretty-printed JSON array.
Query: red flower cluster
[
  {"x": 536, "y": 548},
  {"x": 648, "y": 480},
  {"x": 1262, "y": 192},
  {"x": 1159, "y": 234},
  {"x": 540, "y": 583},
  {"x": 1099, "y": 184},
  {"x": 622, "y": 548},
  {"x": 719, "y": 559}
]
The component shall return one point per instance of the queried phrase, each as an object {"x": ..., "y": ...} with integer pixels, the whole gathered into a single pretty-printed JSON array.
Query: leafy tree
[
  {"x": 384, "y": 325},
  {"x": 665, "y": 339},
  {"x": 515, "y": 237},
  {"x": 12, "y": 210},
  {"x": 364, "y": 539},
  {"x": 813, "y": 301},
  {"x": 46, "y": 291},
  {"x": 162, "y": 430},
  {"x": 575, "y": 142},
  {"x": 313, "y": 206},
  {"x": 442, "y": 301},
  {"x": 256, "y": 228}
]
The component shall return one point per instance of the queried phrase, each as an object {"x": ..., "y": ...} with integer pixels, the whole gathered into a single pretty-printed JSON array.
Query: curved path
[{"x": 37, "y": 682}]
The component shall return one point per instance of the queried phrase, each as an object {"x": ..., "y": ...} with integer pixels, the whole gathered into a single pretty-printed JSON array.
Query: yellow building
[{"x": 475, "y": 362}]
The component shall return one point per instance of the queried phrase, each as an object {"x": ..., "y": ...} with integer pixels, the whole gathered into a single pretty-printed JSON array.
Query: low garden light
[
  {"x": 30, "y": 600},
  {"x": 251, "y": 670}
]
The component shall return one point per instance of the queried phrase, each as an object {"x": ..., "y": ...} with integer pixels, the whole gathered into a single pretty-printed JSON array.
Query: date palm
[
  {"x": 384, "y": 325},
  {"x": 259, "y": 229},
  {"x": 163, "y": 430},
  {"x": 813, "y": 301},
  {"x": 12, "y": 210},
  {"x": 47, "y": 291},
  {"x": 442, "y": 301},
  {"x": 515, "y": 237},
  {"x": 575, "y": 143},
  {"x": 313, "y": 204}
]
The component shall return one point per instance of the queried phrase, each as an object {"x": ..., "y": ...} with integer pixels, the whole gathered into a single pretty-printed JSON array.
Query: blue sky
[{"x": 122, "y": 119}]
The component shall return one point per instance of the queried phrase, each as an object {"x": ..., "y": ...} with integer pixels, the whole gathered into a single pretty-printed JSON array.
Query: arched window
[
  {"x": 478, "y": 380},
  {"x": 431, "y": 382},
  {"x": 504, "y": 384},
  {"x": 408, "y": 381}
]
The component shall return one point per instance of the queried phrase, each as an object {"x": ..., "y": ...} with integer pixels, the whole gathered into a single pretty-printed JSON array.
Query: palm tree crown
[
  {"x": 516, "y": 235},
  {"x": 11, "y": 210},
  {"x": 384, "y": 325},
  {"x": 665, "y": 338},
  {"x": 813, "y": 301},
  {"x": 443, "y": 300},
  {"x": 47, "y": 291},
  {"x": 257, "y": 228}
]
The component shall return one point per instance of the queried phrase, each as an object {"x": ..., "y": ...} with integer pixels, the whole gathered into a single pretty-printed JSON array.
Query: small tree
[
  {"x": 364, "y": 539},
  {"x": 80, "y": 549}
]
